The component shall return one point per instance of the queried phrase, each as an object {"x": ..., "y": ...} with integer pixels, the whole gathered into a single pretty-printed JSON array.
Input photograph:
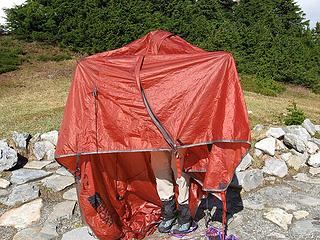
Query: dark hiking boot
[
  {"x": 169, "y": 216},
  {"x": 185, "y": 222}
]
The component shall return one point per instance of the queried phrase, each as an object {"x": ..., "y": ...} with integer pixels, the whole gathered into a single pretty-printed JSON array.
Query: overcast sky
[{"x": 310, "y": 7}]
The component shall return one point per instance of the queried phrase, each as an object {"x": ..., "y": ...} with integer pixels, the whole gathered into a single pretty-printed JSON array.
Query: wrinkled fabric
[{"x": 108, "y": 132}]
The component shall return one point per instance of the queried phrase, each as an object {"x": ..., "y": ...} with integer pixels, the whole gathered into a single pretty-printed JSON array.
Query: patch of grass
[
  {"x": 317, "y": 135},
  {"x": 54, "y": 57},
  {"x": 261, "y": 85}
]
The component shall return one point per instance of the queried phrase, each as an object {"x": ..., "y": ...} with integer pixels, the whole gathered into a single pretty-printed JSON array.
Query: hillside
[{"x": 32, "y": 98}]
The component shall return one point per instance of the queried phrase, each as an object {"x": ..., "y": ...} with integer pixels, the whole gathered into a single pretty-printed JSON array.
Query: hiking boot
[
  {"x": 169, "y": 216},
  {"x": 185, "y": 222}
]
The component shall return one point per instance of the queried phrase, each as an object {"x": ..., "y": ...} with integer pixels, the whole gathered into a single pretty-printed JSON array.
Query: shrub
[
  {"x": 264, "y": 86},
  {"x": 295, "y": 115},
  {"x": 54, "y": 57}
]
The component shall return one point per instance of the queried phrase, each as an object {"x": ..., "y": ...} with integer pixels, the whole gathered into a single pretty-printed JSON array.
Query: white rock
[
  {"x": 288, "y": 206},
  {"x": 258, "y": 127},
  {"x": 78, "y": 234},
  {"x": 63, "y": 210},
  {"x": 245, "y": 163},
  {"x": 21, "y": 194},
  {"x": 314, "y": 160},
  {"x": 302, "y": 177},
  {"x": 26, "y": 175},
  {"x": 312, "y": 147},
  {"x": 57, "y": 182},
  {"x": 64, "y": 172},
  {"x": 279, "y": 217},
  {"x": 275, "y": 167},
  {"x": 51, "y": 137},
  {"x": 53, "y": 165},
  {"x": 296, "y": 162},
  {"x": 23, "y": 216},
  {"x": 275, "y": 132},
  {"x": 314, "y": 171},
  {"x": 300, "y": 214},
  {"x": 50, "y": 155},
  {"x": 40, "y": 149},
  {"x": 8, "y": 156},
  {"x": 250, "y": 179},
  {"x": 267, "y": 145},
  {"x": 4, "y": 183},
  {"x": 71, "y": 195},
  {"x": 286, "y": 156},
  {"x": 298, "y": 130},
  {"x": 317, "y": 128},
  {"x": 20, "y": 139},
  {"x": 32, "y": 234},
  {"x": 295, "y": 141},
  {"x": 37, "y": 164},
  {"x": 309, "y": 126}
]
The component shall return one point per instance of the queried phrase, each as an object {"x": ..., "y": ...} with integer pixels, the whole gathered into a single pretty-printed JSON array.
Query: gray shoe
[
  {"x": 185, "y": 222},
  {"x": 169, "y": 216}
]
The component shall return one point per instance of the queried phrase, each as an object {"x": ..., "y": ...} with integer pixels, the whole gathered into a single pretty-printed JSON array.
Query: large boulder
[
  {"x": 8, "y": 156},
  {"x": 295, "y": 141},
  {"x": 309, "y": 126},
  {"x": 267, "y": 145},
  {"x": 275, "y": 167}
]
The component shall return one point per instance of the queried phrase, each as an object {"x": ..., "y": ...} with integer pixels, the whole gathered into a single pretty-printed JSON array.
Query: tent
[{"x": 158, "y": 93}]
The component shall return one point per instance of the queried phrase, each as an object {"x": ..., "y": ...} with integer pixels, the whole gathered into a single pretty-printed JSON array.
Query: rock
[
  {"x": 37, "y": 164},
  {"x": 302, "y": 177},
  {"x": 314, "y": 160},
  {"x": 50, "y": 136},
  {"x": 57, "y": 182},
  {"x": 42, "y": 149},
  {"x": 4, "y": 183},
  {"x": 314, "y": 171},
  {"x": 53, "y": 165},
  {"x": 296, "y": 162},
  {"x": 71, "y": 195},
  {"x": 305, "y": 228},
  {"x": 8, "y": 156},
  {"x": 316, "y": 141},
  {"x": 244, "y": 164},
  {"x": 280, "y": 145},
  {"x": 32, "y": 234},
  {"x": 79, "y": 234},
  {"x": 22, "y": 216},
  {"x": 21, "y": 194},
  {"x": 258, "y": 152},
  {"x": 275, "y": 167},
  {"x": 258, "y": 127},
  {"x": 267, "y": 145},
  {"x": 275, "y": 132},
  {"x": 253, "y": 204},
  {"x": 21, "y": 140},
  {"x": 317, "y": 128},
  {"x": 307, "y": 200},
  {"x": 30, "y": 148},
  {"x": 288, "y": 206},
  {"x": 300, "y": 214},
  {"x": 294, "y": 141},
  {"x": 64, "y": 172},
  {"x": 279, "y": 217},
  {"x": 312, "y": 148},
  {"x": 63, "y": 210},
  {"x": 250, "y": 179},
  {"x": 309, "y": 126},
  {"x": 286, "y": 156},
  {"x": 3, "y": 192},
  {"x": 298, "y": 130},
  {"x": 26, "y": 175}
]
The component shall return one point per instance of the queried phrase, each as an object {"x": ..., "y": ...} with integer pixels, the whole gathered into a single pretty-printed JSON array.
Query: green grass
[{"x": 11, "y": 54}]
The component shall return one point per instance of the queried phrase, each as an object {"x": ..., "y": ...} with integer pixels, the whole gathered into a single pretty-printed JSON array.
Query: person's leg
[
  {"x": 185, "y": 221},
  {"x": 160, "y": 163}
]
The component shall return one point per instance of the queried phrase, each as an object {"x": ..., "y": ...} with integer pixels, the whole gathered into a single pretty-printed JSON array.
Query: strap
[{"x": 224, "y": 213}]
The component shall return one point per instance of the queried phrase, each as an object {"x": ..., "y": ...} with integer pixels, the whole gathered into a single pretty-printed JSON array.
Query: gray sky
[{"x": 310, "y": 7}]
